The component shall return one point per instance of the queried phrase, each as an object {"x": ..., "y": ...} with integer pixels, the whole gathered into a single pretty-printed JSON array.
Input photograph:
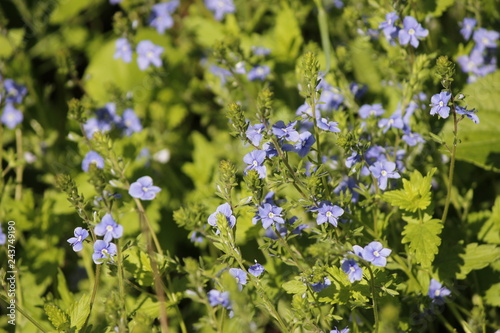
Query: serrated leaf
[
  {"x": 57, "y": 317},
  {"x": 79, "y": 312},
  {"x": 490, "y": 231},
  {"x": 492, "y": 296},
  {"x": 423, "y": 238},
  {"x": 477, "y": 257},
  {"x": 138, "y": 264},
  {"x": 415, "y": 194},
  {"x": 480, "y": 143},
  {"x": 294, "y": 287}
]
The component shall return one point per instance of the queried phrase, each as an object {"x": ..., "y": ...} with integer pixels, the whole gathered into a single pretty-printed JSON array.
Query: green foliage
[
  {"x": 57, "y": 317},
  {"x": 415, "y": 195},
  {"x": 423, "y": 236},
  {"x": 79, "y": 311},
  {"x": 477, "y": 256}
]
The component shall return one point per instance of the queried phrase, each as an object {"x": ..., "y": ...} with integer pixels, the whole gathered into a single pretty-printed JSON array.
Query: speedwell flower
[{"x": 143, "y": 189}]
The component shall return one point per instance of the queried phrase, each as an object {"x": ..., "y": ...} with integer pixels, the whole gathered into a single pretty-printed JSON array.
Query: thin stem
[
  {"x": 20, "y": 166},
  {"x": 145, "y": 218},
  {"x": 123, "y": 310},
  {"x": 452, "y": 165},
  {"x": 375, "y": 306},
  {"x": 27, "y": 316}
]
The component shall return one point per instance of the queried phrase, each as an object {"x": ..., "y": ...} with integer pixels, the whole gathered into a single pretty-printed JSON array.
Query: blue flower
[
  {"x": 221, "y": 73},
  {"x": 259, "y": 73},
  {"x": 330, "y": 98},
  {"x": 467, "y": 25},
  {"x": 287, "y": 132},
  {"x": 123, "y": 50},
  {"x": 318, "y": 286},
  {"x": 306, "y": 140},
  {"x": 130, "y": 122},
  {"x": 260, "y": 51},
  {"x": 256, "y": 270},
  {"x": 376, "y": 254},
  {"x": 485, "y": 38},
  {"x": 358, "y": 89},
  {"x": 103, "y": 251},
  {"x": 161, "y": 18},
  {"x": 345, "y": 330},
  {"x": 390, "y": 31},
  {"x": 411, "y": 30},
  {"x": 268, "y": 214},
  {"x": 394, "y": 121},
  {"x": 215, "y": 297},
  {"x": 352, "y": 269},
  {"x": 220, "y": 7},
  {"x": 374, "y": 110},
  {"x": 148, "y": 54},
  {"x": 105, "y": 118},
  {"x": 77, "y": 241},
  {"x": 108, "y": 228},
  {"x": 382, "y": 171},
  {"x": 3, "y": 237},
  {"x": 270, "y": 149},
  {"x": 115, "y": 2},
  {"x": 143, "y": 189},
  {"x": 14, "y": 93},
  {"x": 437, "y": 291},
  {"x": 326, "y": 125},
  {"x": 254, "y": 133},
  {"x": 412, "y": 139},
  {"x": 239, "y": 275},
  {"x": 327, "y": 212},
  {"x": 92, "y": 157},
  {"x": 196, "y": 237},
  {"x": 224, "y": 209},
  {"x": 439, "y": 103},
  {"x": 471, "y": 114},
  {"x": 254, "y": 159},
  {"x": 11, "y": 117}
]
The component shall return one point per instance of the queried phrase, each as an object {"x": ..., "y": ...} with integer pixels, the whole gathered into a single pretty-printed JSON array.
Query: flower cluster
[
  {"x": 13, "y": 93},
  {"x": 410, "y": 33},
  {"x": 373, "y": 253},
  {"x": 106, "y": 119},
  {"x": 482, "y": 59},
  {"x": 147, "y": 53}
]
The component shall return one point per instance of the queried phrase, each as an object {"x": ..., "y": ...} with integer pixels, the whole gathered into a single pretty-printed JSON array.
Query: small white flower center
[
  {"x": 150, "y": 54},
  {"x": 437, "y": 293},
  {"x": 144, "y": 189},
  {"x": 391, "y": 121},
  {"x": 376, "y": 254},
  {"x": 411, "y": 32},
  {"x": 485, "y": 40},
  {"x": 104, "y": 252},
  {"x": 255, "y": 163},
  {"x": 109, "y": 228},
  {"x": 79, "y": 239},
  {"x": 270, "y": 215},
  {"x": 352, "y": 269},
  {"x": 441, "y": 104},
  {"x": 383, "y": 173},
  {"x": 372, "y": 112},
  {"x": 328, "y": 214}
]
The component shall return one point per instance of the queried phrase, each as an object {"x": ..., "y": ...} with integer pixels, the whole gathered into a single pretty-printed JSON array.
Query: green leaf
[
  {"x": 79, "y": 312},
  {"x": 287, "y": 34},
  {"x": 441, "y": 6},
  {"x": 477, "y": 257},
  {"x": 490, "y": 231},
  {"x": 294, "y": 287},
  {"x": 10, "y": 42},
  {"x": 415, "y": 194},
  {"x": 62, "y": 289},
  {"x": 57, "y": 317},
  {"x": 479, "y": 143},
  {"x": 364, "y": 67},
  {"x": 66, "y": 10},
  {"x": 492, "y": 296},
  {"x": 138, "y": 264},
  {"x": 423, "y": 238}
]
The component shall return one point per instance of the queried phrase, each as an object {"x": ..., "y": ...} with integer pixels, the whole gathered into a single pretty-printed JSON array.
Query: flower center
[
  {"x": 441, "y": 104},
  {"x": 411, "y": 32},
  {"x": 352, "y": 269},
  {"x": 372, "y": 112},
  {"x": 109, "y": 228},
  {"x": 329, "y": 214},
  {"x": 437, "y": 293},
  {"x": 144, "y": 189},
  {"x": 270, "y": 215},
  {"x": 376, "y": 254},
  {"x": 391, "y": 121},
  {"x": 104, "y": 252},
  {"x": 150, "y": 54},
  {"x": 383, "y": 173},
  {"x": 255, "y": 163},
  {"x": 79, "y": 239}
]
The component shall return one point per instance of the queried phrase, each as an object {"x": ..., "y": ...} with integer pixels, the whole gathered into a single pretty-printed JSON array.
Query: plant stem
[
  {"x": 375, "y": 306},
  {"x": 20, "y": 166},
  {"x": 123, "y": 310},
  {"x": 452, "y": 165},
  {"x": 26, "y": 315}
]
